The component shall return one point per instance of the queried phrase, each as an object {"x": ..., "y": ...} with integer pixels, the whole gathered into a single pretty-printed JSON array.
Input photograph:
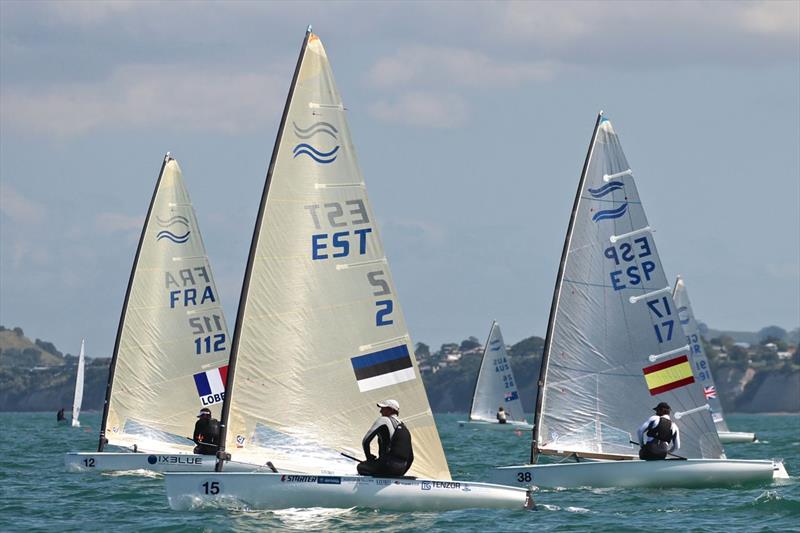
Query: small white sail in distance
[
  {"x": 78, "y": 398},
  {"x": 320, "y": 337},
  {"x": 495, "y": 386}
]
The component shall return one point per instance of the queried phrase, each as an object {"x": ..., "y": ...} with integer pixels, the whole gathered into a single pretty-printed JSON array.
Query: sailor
[
  {"x": 60, "y": 416},
  {"x": 662, "y": 435},
  {"x": 502, "y": 416},
  {"x": 395, "y": 453},
  {"x": 206, "y": 433}
]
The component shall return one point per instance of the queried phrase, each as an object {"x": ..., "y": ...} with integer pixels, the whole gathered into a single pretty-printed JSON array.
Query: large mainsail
[
  {"x": 614, "y": 347},
  {"x": 172, "y": 347},
  {"x": 78, "y": 398},
  {"x": 495, "y": 386},
  {"x": 702, "y": 369},
  {"x": 320, "y": 336}
]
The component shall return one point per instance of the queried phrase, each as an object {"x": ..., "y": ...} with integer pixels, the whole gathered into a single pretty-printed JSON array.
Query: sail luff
[
  {"x": 226, "y": 406},
  {"x": 112, "y": 367},
  {"x": 480, "y": 369},
  {"x": 556, "y": 292}
]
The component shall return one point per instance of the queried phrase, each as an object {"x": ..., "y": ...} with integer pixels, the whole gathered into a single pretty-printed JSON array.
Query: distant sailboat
[
  {"x": 496, "y": 387},
  {"x": 614, "y": 349},
  {"x": 78, "y": 399},
  {"x": 171, "y": 352},
  {"x": 320, "y": 337},
  {"x": 702, "y": 369}
]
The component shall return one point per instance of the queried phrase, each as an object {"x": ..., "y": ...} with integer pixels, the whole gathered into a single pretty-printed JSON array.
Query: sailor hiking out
[
  {"x": 661, "y": 433},
  {"x": 206, "y": 433},
  {"x": 502, "y": 416},
  {"x": 395, "y": 453}
]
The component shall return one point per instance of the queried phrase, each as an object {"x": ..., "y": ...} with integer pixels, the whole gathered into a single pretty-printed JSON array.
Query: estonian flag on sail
[{"x": 383, "y": 368}]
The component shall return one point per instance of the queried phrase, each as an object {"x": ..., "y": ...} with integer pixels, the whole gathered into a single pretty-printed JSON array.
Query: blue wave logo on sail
[
  {"x": 177, "y": 239},
  {"x": 177, "y": 219},
  {"x": 609, "y": 187},
  {"x": 315, "y": 128},
  {"x": 683, "y": 315},
  {"x": 610, "y": 213},
  {"x": 321, "y": 128},
  {"x": 494, "y": 345},
  {"x": 316, "y": 155}
]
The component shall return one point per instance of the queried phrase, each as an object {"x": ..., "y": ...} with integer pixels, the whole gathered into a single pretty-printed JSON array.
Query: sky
[{"x": 471, "y": 122}]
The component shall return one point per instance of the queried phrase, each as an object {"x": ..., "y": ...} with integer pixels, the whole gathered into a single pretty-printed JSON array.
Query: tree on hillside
[
  {"x": 774, "y": 332},
  {"x": 422, "y": 351},
  {"x": 469, "y": 343},
  {"x": 532, "y": 346}
]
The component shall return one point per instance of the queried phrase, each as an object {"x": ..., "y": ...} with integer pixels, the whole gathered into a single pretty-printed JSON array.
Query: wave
[
  {"x": 177, "y": 239},
  {"x": 317, "y": 127},
  {"x": 610, "y": 213},
  {"x": 177, "y": 219},
  {"x": 609, "y": 187},
  {"x": 316, "y": 155}
]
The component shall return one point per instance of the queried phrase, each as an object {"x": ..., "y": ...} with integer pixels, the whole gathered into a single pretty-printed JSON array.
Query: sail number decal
[
  {"x": 662, "y": 310},
  {"x": 623, "y": 255},
  {"x": 208, "y": 343},
  {"x": 343, "y": 243},
  {"x": 385, "y": 306}
]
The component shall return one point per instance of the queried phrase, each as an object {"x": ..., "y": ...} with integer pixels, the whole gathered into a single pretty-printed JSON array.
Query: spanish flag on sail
[{"x": 668, "y": 375}]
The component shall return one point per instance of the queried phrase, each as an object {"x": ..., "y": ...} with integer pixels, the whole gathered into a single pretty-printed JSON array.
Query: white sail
[
  {"x": 702, "y": 369},
  {"x": 615, "y": 346},
  {"x": 496, "y": 386},
  {"x": 320, "y": 336},
  {"x": 78, "y": 398},
  {"x": 171, "y": 354}
]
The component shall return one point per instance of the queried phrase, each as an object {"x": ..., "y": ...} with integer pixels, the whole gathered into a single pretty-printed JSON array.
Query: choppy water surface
[{"x": 36, "y": 493}]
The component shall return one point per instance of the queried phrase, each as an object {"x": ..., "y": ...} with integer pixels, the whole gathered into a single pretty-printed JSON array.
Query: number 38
[{"x": 523, "y": 477}]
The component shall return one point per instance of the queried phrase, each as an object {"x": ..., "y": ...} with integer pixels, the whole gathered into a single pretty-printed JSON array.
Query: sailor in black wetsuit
[
  {"x": 60, "y": 416},
  {"x": 206, "y": 433},
  {"x": 395, "y": 453},
  {"x": 662, "y": 435}
]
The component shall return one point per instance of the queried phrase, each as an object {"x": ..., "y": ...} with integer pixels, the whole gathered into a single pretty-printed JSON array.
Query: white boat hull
[
  {"x": 259, "y": 490},
  {"x": 692, "y": 473},
  {"x": 495, "y": 425},
  {"x": 730, "y": 437},
  {"x": 156, "y": 462}
]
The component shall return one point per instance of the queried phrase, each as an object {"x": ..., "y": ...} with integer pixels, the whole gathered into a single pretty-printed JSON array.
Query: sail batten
[
  {"x": 320, "y": 336},
  {"x": 171, "y": 352},
  {"x": 613, "y": 314}
]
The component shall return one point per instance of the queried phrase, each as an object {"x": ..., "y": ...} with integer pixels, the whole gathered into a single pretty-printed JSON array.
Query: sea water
[{"x": 37, "y": 494}]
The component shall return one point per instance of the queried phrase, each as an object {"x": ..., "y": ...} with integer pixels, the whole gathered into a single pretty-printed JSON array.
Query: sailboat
[
  {"x": 496, "y": 387},
  {"x": 320, "y": 337},
  {"x": 702, "y": 369},
  {"x": 78, "y": 399},
  {"x": 614, "y": 349},
  {"x": 171, "y": 352}
]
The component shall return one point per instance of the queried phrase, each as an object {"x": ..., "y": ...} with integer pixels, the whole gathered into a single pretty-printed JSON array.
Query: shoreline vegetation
[{"x": 759, "y": 375}]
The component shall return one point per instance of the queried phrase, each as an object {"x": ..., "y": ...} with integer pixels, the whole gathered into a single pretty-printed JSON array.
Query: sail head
[
  {"x": 320, "y": 337},
  {"x": 616, "y": 347}
]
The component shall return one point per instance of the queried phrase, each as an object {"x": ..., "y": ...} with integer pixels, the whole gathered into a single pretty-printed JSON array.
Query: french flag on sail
[{"x": 211, "y": 385}]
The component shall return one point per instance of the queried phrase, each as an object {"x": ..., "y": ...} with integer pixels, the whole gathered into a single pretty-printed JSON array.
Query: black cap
[{"x": 662, "y": 405}]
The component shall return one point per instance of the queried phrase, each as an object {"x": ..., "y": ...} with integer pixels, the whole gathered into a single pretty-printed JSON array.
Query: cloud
[
  {"x": 455, "y": 66},
  {"x": 107, "y": 223},
  {"x": 146, "y": 96},
  {"x": 421, "y": 108},
  {"x": 18, "y": 208}
]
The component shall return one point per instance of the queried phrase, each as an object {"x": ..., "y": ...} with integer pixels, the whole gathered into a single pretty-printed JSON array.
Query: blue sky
[{"x": 471, "y": 122}]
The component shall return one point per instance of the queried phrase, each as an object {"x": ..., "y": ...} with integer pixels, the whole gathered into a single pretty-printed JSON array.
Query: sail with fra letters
[
  {"x": 320, "y": 336},
  {"x": 615, "y": 345},
  {"x": 78, "y": 398},
  {"x": 496, "y": 386},
  {"x": 171, "y": 354}
]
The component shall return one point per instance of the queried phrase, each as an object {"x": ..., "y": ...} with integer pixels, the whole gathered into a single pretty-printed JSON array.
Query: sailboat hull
[
  {"x": 156, "y": 462},
  {"x": 730, "y": 437},
  {"x": 495, "y": 425},
  {"x": 283, "y": 491},
  {"x": 691, "y": 473}
]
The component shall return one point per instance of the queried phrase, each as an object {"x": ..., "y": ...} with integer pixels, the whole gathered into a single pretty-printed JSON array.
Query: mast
[
  {"x": 537, "y": 416},
  {"x": 480, "y": 369},
  {"x": 226, "y": 405},
  {"x": 102, "y": 441}
]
